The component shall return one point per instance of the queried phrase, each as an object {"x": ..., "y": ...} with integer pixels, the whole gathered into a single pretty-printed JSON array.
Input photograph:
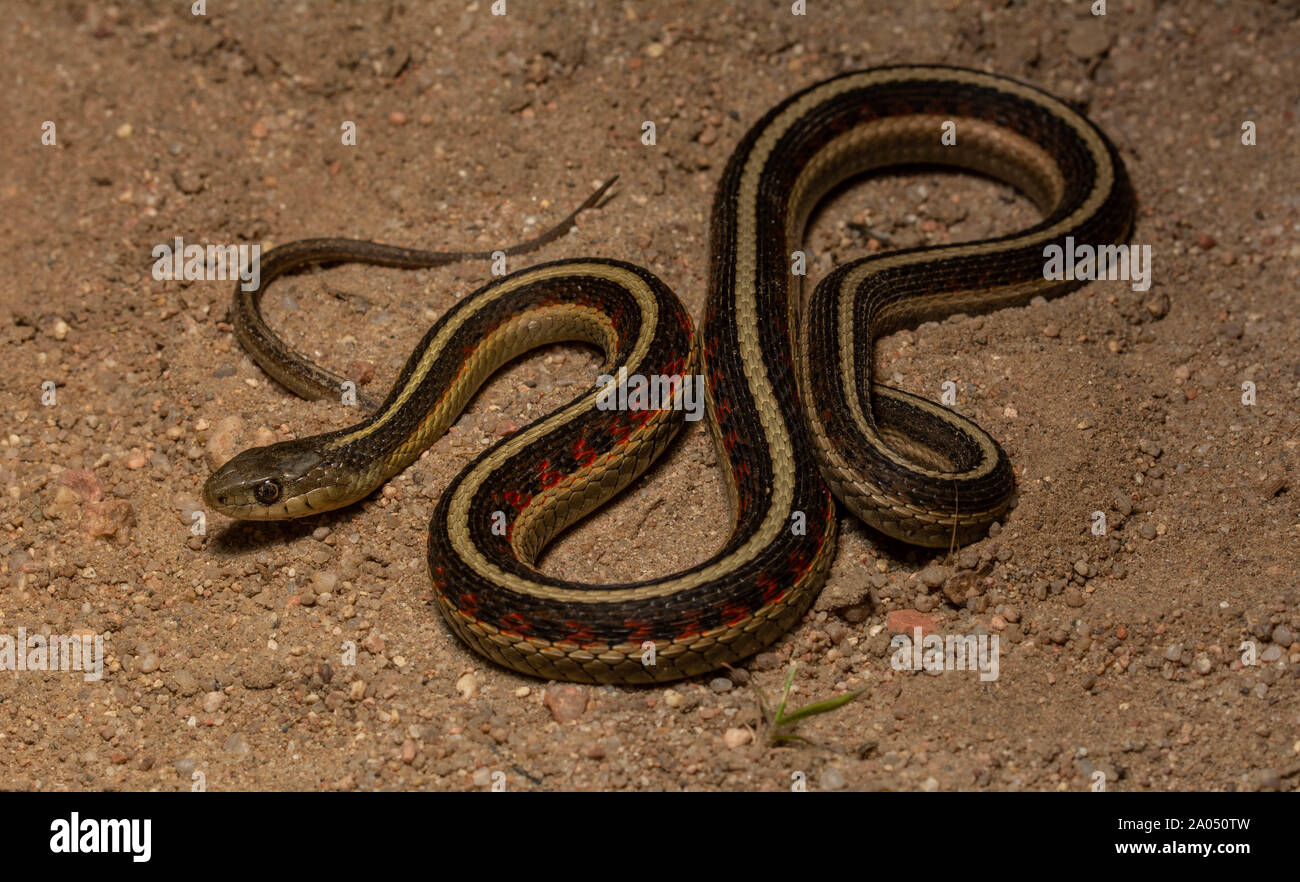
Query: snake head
[{"x": 285, "y": 480}]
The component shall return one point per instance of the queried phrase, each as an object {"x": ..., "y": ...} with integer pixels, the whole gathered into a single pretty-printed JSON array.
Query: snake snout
[
  {"x": 223, "y": 490},
  {"x": 258, "y": 483}
]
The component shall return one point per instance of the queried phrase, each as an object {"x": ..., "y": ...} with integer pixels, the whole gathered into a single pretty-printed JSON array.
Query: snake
[{"x": 797, "y": 417}]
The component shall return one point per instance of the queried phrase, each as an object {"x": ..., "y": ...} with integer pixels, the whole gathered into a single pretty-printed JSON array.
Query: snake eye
[{"x": 267, "y": 492}]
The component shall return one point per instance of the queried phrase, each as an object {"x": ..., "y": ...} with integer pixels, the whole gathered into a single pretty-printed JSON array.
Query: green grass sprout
[{"x": 780, "y": 724}]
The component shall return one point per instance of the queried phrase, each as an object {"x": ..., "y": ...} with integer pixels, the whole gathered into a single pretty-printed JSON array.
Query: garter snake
[{"x": 792, "y": 403}]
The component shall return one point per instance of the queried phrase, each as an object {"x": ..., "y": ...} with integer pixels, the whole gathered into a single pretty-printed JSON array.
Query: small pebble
[
  {"x": 832, "y": 779},
  {"x": 467, "y": 686},
  {"x": 1123, "y": 504},
  {"x": 324, "y": 581},
  {"x": 187, "y": 180},
  {"x": 734, "y": 737},
  {"x": 236, "y": 744},
  {"x": 566, "y": 703},
  {"x": 933, "y": 576}
]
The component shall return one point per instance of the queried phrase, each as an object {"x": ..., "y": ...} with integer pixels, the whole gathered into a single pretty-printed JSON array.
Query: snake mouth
[
  {"x": 236, "y": 496},
  {"x": 229, "y": 491},
  {"x": 253, "y": 511},
  {"x": 228, "y": 498}
]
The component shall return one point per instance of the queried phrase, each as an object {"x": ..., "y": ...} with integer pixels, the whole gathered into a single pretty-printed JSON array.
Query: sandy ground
[{"x": 1119, "y": 654}]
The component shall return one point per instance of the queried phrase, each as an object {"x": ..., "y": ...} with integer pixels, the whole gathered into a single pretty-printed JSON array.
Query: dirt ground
[{"x": 1119, "y": 654}]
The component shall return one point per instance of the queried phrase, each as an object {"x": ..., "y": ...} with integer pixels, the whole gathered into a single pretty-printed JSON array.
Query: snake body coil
[{"x": 792, "y": 403}]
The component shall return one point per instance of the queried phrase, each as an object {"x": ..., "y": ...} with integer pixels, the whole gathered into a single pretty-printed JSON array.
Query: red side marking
[
  {"x": 583, "y": 453},
  {"x": 690, "y": 629},
  {"x": 620, "y": 429},
  {"x": 722, "y": 407},
  {"x": 548, "y": 476},
  {"x": 518, "y": 501},
  {"x": 772, "y": 589},
  {"x": 515, "y": 624},
  {"x": 733, "y": 613},
  {"x": 800, "y": 560},
  {"x": 580, "y": 634},
  {"x": 638, "y": 632}
]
